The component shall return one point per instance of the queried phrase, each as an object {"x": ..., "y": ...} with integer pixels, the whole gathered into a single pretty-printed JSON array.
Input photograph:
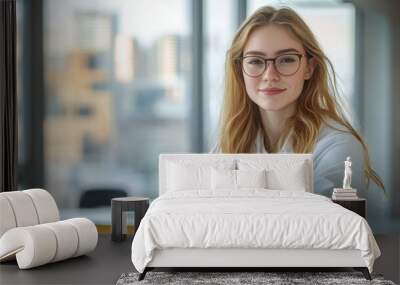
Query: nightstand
[
  {"x": 358, "y": 206},
  {"x": 119, "y": 207}
]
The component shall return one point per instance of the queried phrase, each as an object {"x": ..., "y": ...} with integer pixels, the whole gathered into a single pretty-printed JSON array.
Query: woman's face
[{"x": 271, "y": 90}]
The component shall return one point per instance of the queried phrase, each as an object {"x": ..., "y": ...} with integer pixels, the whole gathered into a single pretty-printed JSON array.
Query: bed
[{"x": 245, "y": 211}]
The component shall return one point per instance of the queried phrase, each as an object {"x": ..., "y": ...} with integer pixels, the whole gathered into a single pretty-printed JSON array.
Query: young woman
[{"x": 281, "y": 98}]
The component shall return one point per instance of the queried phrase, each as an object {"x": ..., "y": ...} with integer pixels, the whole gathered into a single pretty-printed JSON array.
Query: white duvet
[{"x": 250, "y": 218}]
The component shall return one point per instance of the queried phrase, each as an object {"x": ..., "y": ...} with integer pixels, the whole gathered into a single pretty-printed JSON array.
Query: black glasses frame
[{"x": 266, "y": 63}]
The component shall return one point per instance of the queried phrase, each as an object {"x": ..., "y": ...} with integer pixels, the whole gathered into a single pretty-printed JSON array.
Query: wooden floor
[
  {"x": 110, "y": 259},
  {"x": 389, "y": 262}
]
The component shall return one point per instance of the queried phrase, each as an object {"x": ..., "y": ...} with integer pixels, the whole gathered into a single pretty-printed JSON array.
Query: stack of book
[{"x": 344, "y": 194}]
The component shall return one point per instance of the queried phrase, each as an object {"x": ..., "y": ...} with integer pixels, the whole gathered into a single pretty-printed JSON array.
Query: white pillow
[
  {"x": 236, "y": 179},
  {"x": 295, "y": 179},
  {"x": 187, "y": 177},
  {"x": 282, "y": 174},
  {"x": 251, "y": 178},
  {"x": 223, "y": 179},
  {"x": 192, "y": 174}
]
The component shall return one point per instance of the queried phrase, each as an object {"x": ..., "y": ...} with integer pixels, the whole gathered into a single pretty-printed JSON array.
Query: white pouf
[
  {"x": 31, "y": 232},
  {"x": 40, "y": 244}
]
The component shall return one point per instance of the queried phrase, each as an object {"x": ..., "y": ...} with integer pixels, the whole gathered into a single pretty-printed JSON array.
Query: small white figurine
[{"x": 347, "y": 174}]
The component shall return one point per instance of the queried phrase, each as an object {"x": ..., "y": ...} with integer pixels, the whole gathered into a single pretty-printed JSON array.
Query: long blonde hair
[{"x": 318, "y": 103}]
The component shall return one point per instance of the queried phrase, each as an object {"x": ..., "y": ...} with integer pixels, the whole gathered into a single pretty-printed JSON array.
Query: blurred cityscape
[{"x": 112, "y": 107}]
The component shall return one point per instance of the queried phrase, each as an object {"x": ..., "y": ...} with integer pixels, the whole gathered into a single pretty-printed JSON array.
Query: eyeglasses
[{"x": 286, "y": 64}]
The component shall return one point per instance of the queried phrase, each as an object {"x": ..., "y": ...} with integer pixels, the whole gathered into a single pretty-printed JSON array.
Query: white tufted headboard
[{"x": 218, "y": 158}]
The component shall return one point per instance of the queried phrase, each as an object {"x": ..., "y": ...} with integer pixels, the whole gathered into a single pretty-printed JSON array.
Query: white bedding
[{"x": 250, "y": 218}]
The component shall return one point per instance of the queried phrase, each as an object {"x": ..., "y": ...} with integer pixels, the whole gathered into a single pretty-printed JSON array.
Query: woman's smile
[{"x": 271, "y": 91}]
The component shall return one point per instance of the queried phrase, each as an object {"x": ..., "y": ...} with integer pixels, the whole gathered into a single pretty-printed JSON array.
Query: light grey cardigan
[{"x": 330, "y": 152}]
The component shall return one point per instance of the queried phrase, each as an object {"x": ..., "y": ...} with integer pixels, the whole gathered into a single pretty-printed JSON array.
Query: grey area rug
[{"x": 229, "y": 278}]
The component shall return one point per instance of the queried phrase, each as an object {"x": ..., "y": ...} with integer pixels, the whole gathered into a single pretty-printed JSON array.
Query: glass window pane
[
  {"x": 219, "y": 31},
  {"x": 117, "y": 94}
]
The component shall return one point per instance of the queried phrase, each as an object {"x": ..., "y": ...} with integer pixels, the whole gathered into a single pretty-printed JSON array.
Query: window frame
[{"x": 31, "y": 168}]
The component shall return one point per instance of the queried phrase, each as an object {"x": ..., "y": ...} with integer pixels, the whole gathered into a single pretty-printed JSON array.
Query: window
[
  {"x": 117, "y": 94},
  {"x": 219, "y": 31}
]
